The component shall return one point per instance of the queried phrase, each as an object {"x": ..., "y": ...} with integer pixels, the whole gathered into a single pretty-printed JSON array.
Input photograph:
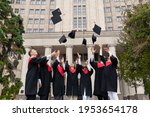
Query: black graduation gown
[
  {"x": 85, "y": 81},
  {"x": 72, "y": 81},
  {"x": 100, "y": 80},
  {"x": 58, "y": 80},
  {"x": 111, "y": 74},
  {"x": 33, "y": 75},
  {"x": 46, "y": 78}
]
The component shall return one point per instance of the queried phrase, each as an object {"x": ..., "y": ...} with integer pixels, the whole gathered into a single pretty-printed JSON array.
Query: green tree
[
  {"x": 11, "y": 48},
  {"x": 135, "y": 41}
]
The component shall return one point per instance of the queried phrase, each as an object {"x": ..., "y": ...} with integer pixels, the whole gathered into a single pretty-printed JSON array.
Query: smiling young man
[{"x": 32, "y": 75}]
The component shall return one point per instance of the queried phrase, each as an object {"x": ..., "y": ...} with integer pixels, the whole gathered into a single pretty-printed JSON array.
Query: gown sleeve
[
  {"x": 38, "y": 60},
  {"x": 55, "y": 64},
  {"x": 93, "y": 63},
  {"x": 114, "y": 61},
  {"x": 66, "y": 66},
  {"x": 79, "y": 68},
  {"x": 91, "y": 72}
]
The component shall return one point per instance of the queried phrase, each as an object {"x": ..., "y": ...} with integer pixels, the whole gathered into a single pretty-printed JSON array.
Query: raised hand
[
  {"x": 93, "y": 50},
  {"x": 76, "y": 61},
  {"x": 79, "y": 56},
  {"x": 53, "y": 53},
  {"x": 62, "y": 60},
  {"x": 106, "y": 49},
  {"x": 58, "y": 52}
]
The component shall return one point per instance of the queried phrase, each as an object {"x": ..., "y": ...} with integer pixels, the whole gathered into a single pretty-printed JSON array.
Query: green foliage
[
  {"x": 135, "y": 39},
  {"x": 11, "y": 49}
]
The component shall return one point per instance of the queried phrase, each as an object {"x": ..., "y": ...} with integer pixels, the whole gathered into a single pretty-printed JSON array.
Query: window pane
[
  {"x": 75, "y": 1},
  {"x": 31, "y": 11},
  {"x": 17, "y": 1},
  {"x": 43, "y": 11},
  {"x": 117, "y": 9},
  {"x": 16, "y": 10},
  {"x": 38, "y": 2},
  {"x": 29, "y": 30},
  {"x": 30, "y": 21},
  {"x": 123, "y": 8},
  {"x": 79, "y": 1},
  {"x": 32, "y": 2},
  {"x": 83, "y": 1},
  {"x": 108, "y": 19},
  {"x": 84, "y": 22},
  {"x": 74, "y": 22},
  {"x": 107, "y": 9},
  {"x": 83, "y": 10},
  {"x": 42, "y": 21},
  {"x": 75, "y": 10},
  {"x": 120, "y": 27},
  {"x": 37, "y": 11},
  {"x": 52, "y": 2},
  {"x": 79, "y": 10},
  {"x": 36, "y": 21},
  {"x": 22, "y": 11},
  {"x": 43, "y": 2},
  {"x": 109, "y": 28},
  {"x": 79, "y": 22},
  {"x": 50, "y": 22},
  {"x": 35, "y": 30},
  {"x": 119, "y": 19}
]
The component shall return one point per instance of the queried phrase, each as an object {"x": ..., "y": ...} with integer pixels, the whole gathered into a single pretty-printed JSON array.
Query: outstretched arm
[
  {"x": 57, "y": 61},
  {"x": 42, "y": 59},
  {"x": 92, "y": 61},
  {"x": 113, "y": 59}
]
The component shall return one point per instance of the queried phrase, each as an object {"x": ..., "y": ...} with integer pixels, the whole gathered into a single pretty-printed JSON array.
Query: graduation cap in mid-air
[
  {"x": 94, "y": 38},
  {"x": 84, "y": 42},
  {"x": 97, "y": 29},
  {"x": 56, "y": 19},
  {"x": 63, "y": 39},
  {"x": 72, "y": 34},
  {"x": 56, "y": 12}
]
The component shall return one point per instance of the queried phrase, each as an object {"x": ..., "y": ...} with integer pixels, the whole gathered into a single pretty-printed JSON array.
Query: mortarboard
[
  {"x": 62, "y": 39},
  {"x": 84, "y": 42},
  {"x": 94, "y": 38},
  {"x": 56, "y": 12},
  {"x": 97, "y": 29},
  {"x": 72, "y": 34},
  {"x": 56, "y": 19}
]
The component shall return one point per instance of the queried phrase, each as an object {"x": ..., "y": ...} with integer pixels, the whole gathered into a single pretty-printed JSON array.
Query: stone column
[
  {"x": 112, "y": 49},
  {"x": 24, "y": 69},
  {"x": 89, "y": 51},
  {"x": 48, "y": 50},
  {"x": 141, "y": 91},
  {"x": 125, "y": 90},
  {"x": 89, "y": 56},
  {"x": 69, "y": 53}
]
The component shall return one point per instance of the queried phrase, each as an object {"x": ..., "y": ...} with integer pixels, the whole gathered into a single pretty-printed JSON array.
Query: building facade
[{"x": 80, "y": 15}]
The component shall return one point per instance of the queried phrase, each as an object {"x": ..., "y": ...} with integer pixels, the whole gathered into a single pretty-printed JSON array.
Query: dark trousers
[
  {"x": 44, "y": 97},
  {"x": 30, "y": 97},
  {"x": 58, "y": 97},
  {"x": 102, "y": 97}
]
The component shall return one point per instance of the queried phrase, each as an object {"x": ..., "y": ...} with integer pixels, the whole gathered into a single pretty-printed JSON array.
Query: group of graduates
[{"x": 41, "y": 74}]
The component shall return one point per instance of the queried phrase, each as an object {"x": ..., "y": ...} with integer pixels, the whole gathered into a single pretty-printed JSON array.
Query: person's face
[
  {"x": 72, "y": 65},
  {"x": 33, "y": 53},
  {"x": 85, "y": 64},
  {"x": 106, "y": 49}
]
